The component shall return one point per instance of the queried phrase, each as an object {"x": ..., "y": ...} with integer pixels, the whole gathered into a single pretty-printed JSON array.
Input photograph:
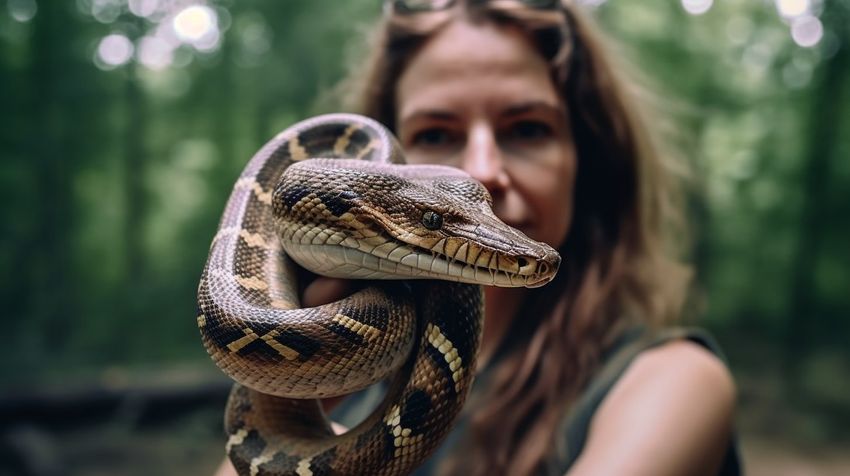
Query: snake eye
[{"x": 432, "y": 220}]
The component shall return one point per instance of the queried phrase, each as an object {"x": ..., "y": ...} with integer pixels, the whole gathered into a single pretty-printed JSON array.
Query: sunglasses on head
[{"x": 407, "y": 7}]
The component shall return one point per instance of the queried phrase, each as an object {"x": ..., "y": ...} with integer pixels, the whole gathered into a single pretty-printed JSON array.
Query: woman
[{"x": 579, "y": 376}]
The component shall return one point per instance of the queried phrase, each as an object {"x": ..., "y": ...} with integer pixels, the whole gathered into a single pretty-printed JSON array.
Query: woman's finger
[{"x": 325, "y": 290}]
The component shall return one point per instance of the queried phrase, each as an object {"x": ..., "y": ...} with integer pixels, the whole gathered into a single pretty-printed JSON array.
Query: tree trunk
[
  {"x": 51, "y": 145},
  {"x": 824, "y": 134}
]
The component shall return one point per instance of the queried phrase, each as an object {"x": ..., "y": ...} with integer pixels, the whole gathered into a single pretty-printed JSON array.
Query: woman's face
[{"x": 480, "y": 97}]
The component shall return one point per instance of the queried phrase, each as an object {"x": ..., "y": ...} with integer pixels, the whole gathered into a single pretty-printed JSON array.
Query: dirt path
[{"x": 764, "y": 457}]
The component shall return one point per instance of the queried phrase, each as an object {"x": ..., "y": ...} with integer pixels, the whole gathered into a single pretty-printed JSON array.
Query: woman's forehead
[
  {"x": 478, "y": 63},
  {"x": 462, "y": 45}
]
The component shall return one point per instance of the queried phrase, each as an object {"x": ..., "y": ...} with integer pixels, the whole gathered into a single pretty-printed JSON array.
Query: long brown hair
[{"x": 616, "y": 269}]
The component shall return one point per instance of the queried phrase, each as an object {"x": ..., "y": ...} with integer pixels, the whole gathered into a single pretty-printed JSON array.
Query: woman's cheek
[{"x": 549, "y": 193}]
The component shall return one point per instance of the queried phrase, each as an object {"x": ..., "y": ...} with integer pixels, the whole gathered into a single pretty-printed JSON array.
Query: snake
[{"x": 332, "y": 195}]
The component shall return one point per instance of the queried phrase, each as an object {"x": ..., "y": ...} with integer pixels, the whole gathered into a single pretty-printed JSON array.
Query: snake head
[{"x": 351, "y": 218}]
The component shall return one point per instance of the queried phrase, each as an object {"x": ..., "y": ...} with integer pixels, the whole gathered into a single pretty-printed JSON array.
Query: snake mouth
[
  {"x": 527, "y": 271},
  {"x": 434, "y": 265},
  {"x": 352, "y": 258}
]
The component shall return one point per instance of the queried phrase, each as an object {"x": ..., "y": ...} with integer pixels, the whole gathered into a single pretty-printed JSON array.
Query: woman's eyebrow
[
  {"x": 438, "y": 114},
  {"x": 532, "y": 106}
]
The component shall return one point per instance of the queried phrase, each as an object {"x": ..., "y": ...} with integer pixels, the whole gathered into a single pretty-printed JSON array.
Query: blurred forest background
[{"x": 123, "y": 124}]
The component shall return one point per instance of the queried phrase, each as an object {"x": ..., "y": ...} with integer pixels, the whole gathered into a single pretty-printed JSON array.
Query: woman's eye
[
  {"x": 434, "y": 137},
  {"x": 530, "y": 130}
]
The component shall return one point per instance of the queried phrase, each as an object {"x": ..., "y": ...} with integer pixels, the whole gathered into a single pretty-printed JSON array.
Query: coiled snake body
[{"x": 340, "y": 216}]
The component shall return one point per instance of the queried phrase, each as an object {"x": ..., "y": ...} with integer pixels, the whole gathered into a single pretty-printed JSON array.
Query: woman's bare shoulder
[{"x": 671, "y": 413}]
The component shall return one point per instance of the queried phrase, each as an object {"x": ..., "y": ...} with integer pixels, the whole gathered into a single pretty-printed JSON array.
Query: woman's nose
[{"x": 482, "y": 158}]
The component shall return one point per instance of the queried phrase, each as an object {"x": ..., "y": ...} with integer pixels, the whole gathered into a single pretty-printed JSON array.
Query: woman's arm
[{"x": 670, "y": 414}]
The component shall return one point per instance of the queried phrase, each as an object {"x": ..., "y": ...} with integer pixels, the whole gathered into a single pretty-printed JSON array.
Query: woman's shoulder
[
  {"x": 679, "y": 386},
  {"x": 678, "y": 360},
  {"x": 668, "y": 408},
  {"x": 679, "y": 399}
]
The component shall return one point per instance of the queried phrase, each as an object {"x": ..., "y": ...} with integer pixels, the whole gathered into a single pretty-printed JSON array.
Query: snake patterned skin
[{"x": 352, "y": 210}]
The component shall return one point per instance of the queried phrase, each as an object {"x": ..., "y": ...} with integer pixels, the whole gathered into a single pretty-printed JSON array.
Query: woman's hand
[{"x": 325, "y": 290}]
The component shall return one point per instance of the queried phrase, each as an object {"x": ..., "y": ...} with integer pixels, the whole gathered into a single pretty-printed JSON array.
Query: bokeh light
[
  {"x": 169, "y": 26},
  {"x": 114, "y": 50},
  {"x": 155, "y": 53},
  {"x": 807, "y": 30},
  {"x": 697, "y": 7},
  {"x": 793, "y": 8},
  {"x": 208, "y": 42},
  {"x": 193, "y": 23},
  {"x": 22, "y": 10},
  {"x": 143, "y": 8},
  {"x": 106, "y": 11},
  {"x": 197, "y": 25}
]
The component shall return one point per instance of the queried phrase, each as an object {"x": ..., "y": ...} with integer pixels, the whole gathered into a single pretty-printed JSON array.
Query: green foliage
[{"x": 113, "y": 177}]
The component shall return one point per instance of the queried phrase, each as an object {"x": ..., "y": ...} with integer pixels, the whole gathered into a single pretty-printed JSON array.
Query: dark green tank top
[{"x": 571, "y": 438}]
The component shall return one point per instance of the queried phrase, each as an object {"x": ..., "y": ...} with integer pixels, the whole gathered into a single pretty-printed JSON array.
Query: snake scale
[{"x": 425, "y": 239}]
